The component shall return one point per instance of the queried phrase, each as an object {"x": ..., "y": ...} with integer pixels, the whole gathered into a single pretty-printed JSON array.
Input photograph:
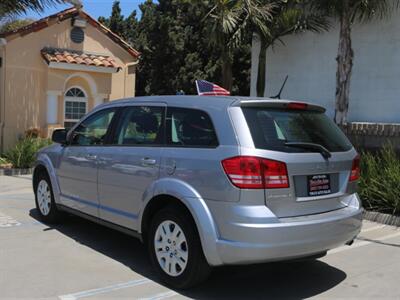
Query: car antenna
[{"x": 282, "y": 87}]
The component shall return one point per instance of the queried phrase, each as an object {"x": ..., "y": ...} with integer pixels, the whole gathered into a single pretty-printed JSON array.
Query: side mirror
[{"x": 59, "y": 136}]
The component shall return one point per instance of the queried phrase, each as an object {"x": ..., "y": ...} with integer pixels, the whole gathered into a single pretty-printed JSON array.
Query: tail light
[
  {"x": 355, "y": 169},
  {"x": 249, "y": 172},
  {"x": 297, "y": 106}
]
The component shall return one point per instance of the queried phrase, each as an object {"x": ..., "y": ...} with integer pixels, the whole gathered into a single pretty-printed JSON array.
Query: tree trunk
[
  {"x": 262, "y": 60},
  {"x": 227, "y": 80},
  {"x": 344, "y": 66}
]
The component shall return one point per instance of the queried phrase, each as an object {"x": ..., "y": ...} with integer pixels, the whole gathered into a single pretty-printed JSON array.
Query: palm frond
[
  {"x": 22, "y": 6},
  {"x": 230, "y": 18},
  {"x": 365, "y": 10},
  {"x": 294, "y": 19},
  {"x": 360, "y": 10}
]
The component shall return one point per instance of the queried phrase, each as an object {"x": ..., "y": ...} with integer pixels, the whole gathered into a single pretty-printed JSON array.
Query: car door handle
[{"x": 148, "y": 161}]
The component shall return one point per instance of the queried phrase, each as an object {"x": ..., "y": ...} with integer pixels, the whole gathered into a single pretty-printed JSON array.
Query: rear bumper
[{"x": 291, "y": 237}]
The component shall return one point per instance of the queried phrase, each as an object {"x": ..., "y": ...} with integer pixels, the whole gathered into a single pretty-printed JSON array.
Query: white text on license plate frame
[{"x": 319, "y": 185}]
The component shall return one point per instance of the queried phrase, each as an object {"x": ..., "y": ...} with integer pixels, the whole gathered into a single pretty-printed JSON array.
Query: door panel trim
[
  {"x": 97, "y": 220},
  {"x": 103, "y": 207}
]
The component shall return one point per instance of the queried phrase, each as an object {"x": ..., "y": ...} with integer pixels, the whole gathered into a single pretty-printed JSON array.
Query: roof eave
[
  {"x": 79, "y": 67},
  {"x": 63, "y": 15}
]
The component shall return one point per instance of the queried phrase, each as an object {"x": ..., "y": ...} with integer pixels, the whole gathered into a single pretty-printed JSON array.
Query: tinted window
[
  {"x": 190, "y": 128},
  {"x": 272, "y": 128},
  {"x": 140, "y": 125},
  {"x": 93, "y": 130}
]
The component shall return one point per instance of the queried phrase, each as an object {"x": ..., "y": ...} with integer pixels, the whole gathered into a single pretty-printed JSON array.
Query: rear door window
[
  {"x": 140, "y": 126},
  {"x": 189, "y": 128},
  {"x": 271, "y": 129}
]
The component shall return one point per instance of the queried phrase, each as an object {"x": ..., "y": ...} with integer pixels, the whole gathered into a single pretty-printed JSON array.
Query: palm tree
[
  {"x": 290, "y": 17},
  {"x": 228, "y": 21},
  {"x": 22, "y": 6},
  {"x": 14, "y": 24},
  {"x": 348, "y": 12}
]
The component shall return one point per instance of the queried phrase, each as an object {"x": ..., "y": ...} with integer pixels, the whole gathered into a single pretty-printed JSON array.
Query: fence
[{"x": 372, "y": 136}]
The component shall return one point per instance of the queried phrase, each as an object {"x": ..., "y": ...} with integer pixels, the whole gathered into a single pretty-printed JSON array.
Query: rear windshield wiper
[{"x": 311, "y": 146}]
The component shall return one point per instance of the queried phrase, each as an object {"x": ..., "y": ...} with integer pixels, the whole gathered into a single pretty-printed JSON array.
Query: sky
[{"x": 95, "y": 8}]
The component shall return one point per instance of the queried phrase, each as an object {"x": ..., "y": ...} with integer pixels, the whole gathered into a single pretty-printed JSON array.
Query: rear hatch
[{"x": 316, "y": 154}]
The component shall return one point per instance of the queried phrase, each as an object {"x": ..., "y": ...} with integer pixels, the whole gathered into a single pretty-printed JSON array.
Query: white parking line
[
  {"x": 363, "y": 243},
  {"x": 17, "y": 191},
  {"x": 104, "y": 290},
  {"x": 160, "y": 296}
]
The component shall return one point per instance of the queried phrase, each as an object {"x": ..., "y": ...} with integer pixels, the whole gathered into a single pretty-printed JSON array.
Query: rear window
[{"x": 272, "y": 128}]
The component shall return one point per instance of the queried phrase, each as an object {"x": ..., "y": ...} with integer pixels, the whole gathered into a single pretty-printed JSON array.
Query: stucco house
[{"x": 58, "y": 68}]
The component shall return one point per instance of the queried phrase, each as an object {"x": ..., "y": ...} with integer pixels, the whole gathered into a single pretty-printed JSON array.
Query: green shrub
[
  {"x": 380, "y": 181},
  {"x": 23, "y": 154}
]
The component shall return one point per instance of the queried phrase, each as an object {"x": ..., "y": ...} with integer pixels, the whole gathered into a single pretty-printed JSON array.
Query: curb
[
  {"x": 15, "y": 172},
  {"x": 381, "y": 218}
]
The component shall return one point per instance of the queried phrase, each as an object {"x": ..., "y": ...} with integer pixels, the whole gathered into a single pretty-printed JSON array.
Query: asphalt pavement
[{"x": 82, "y": 260}]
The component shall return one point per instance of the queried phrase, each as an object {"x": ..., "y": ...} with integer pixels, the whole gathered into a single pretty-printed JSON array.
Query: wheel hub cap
[
  {"x": 43, "y": 197},
  {"x": 171, "y": 248}
]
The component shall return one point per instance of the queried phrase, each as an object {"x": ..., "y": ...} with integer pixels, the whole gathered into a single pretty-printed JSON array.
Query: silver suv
[{"x": 206, "y": 181}]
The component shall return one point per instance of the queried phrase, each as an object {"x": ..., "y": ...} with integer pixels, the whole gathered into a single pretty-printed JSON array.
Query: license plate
[{"x": 319, "y": 185}]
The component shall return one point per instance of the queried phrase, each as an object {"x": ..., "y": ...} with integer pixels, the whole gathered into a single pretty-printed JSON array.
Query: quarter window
[
  {"x": 190, "y": 128},
  {"x": 140, "y": 125},
  {"x": 93, "y": 130}
]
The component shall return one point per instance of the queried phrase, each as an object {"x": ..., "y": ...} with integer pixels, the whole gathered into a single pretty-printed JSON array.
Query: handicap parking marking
[
  {"x": 104, "y": 290},
  {"x": 7, "y": 221}
]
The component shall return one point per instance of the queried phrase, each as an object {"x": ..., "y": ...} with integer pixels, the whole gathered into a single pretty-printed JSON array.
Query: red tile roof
[
  {"x": 66, "y": 14},
  {"x": 77, "y": 57}
]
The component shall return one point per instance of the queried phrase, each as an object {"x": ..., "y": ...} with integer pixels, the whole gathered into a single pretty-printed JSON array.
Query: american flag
[{"x": 205, "y": 88}]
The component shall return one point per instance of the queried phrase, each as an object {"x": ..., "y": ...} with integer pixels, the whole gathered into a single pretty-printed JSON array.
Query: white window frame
[{"x": 74, "y": 99}]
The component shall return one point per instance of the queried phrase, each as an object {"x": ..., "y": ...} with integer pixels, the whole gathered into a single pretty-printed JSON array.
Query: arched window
[
  {"x": 75, "y": 92},
  {"x": 75, "y": 106}
]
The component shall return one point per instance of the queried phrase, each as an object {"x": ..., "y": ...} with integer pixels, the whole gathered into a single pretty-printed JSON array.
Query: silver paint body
[{"x": 236, "y": 226}]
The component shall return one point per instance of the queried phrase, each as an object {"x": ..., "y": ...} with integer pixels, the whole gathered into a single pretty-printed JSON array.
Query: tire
[
  {"x": 44, "y": 199},
  {"x": 178, "y": 259}
]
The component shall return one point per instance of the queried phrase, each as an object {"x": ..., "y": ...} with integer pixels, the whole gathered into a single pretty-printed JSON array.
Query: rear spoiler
[{"x": 282, "y": 104}]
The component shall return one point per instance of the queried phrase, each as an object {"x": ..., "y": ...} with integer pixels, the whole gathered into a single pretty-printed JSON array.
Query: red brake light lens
[
  {"x": 249, "y": 172},
  {"x": 275, "y": 174},
  {"x": 297, "y": 106},
  {"x": 244, "y": 172},
  {"x": 355, "y": 169}
]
